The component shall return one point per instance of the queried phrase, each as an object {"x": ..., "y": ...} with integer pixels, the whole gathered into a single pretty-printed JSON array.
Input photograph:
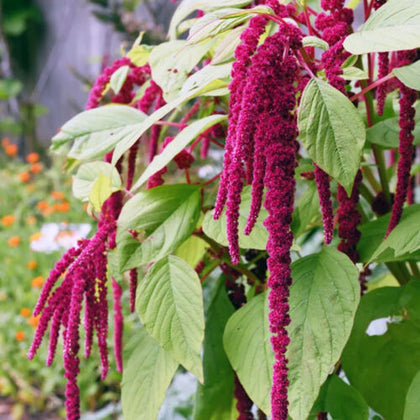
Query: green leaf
[
  {"x": 385, "y": 133},
  {"x": 214, "y": 24},
  {"x": 148, "y": 371},
  {"x": 213, "y": 400},
  {"x": 182, "y": 140},
  {"x": 172, "y": 61},
  {"x": 323, "y": 302},
  {"x": 332, "y": 131},
  {"x": 216, "y": 229},
  {"x": 403, "y": 241},
  {"x": 139, "y": 54},
  {"x": 343, "y": 401},
  {"x": 192, "y": 250},
  {"x": 382, "y": 367},
  {"x": 314, "y": 41},
  {"x": 100, "y": 192},
  {"x": 189, "y": 6},
  {"x": 226, "y": 47},
  {"x": 118, "y": 78},
  {"x": 409, "y": 75},
  {"x": 218, "y": 76},
  {"x": 99, "y": 130},
  {"x": 247, "y": 345},
  {"x": 373, "y": 234},
  {"x": 165, "y": 216},
  {"x": 354, "y": 73},
  {"x": 412, "y": 400},
  {"x": 306, "y": 213},
  {"x": 393, "y": 27},
  {"x": 125, "y": 143},
  {"x": 170, "y": 305},
  {"x": 88, "y": 174}
]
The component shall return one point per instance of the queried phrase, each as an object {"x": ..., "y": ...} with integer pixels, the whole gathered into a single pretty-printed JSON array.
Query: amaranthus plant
[{"x": 316, "y": 116}]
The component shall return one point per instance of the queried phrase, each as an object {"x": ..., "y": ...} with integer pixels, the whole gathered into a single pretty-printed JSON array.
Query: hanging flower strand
[
  {"x": 406, "y": 138},
  {"x": 264, "y": 124}
]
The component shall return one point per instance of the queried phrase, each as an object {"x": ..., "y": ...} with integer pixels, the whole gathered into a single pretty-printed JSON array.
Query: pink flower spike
[
  {"x": 133, "y": 289},
  {"x": 118, "y": 324}
]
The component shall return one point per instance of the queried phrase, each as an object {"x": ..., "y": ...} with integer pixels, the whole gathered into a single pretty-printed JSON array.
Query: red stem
[
  {"x": 372, "y": 86},
  {"x": 212, "y": 180}
]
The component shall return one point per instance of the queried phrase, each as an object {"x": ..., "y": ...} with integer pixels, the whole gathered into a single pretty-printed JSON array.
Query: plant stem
[
  {"x": 372, "y": 86},
  {"x": 210, "y": 269},
  {"x": 226, "y": 258},
  {"x": 371, "y": 179},
  {"x": 414, "y": 269},
  {"x": 399, "y": 271},
  {"x": 380, "y": 161},
  {"x": 377, "y": 153},
  {"x": 366, "y": 193}
]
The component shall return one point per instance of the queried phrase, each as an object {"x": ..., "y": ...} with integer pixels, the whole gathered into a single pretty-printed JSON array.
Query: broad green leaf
[
  {"x": 213, "y": 400},
  {"x": 192, "y": 250},
  {"x": 383, "y": 365},
  {"x": 216, "y": 229},
  {"x": 118, "y": 78},
  {"x": 188, "y": 6},
  {"x": 412, "y": 400},
  {"x": 216, "y": 23},
  {"x": 87, "y": 175},
  {"x": 385, "y": 133},
  {"x": 373, "y": 234},
  {"x": 409, "y": 75},
  {"x": 182, "y": 140},
  {"x": 125, "y": 143},
  {"x": 393, "y": 27},
  {"x": 314, "y": 41},
  {"x": 323, "y": 302},
  {"x": 226, "y": 47},
  {"x": 332, "y": 131},
  {"x": 170, "y": 305},
  {"x": 172, "y": 61},
  {"x": 354, "y": 73},
  {"x": 218, "y": 76},
  {"x": 99, "y": 130},
  {"x": 343, "y": 401},
  {"x": 148, "y": 371},
  {"x": 164, "y": 216},
  {"x": 139, "y": 54},
  {"x": 100, "y": 192},
  {"x": 248, "y": 347},
  {"x": 306, "y": 213},
  {"x": 403, "y": 241}
]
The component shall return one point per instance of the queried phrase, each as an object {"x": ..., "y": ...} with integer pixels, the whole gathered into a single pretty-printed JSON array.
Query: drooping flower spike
[
  {"x": 83, "y": 269},
  {"x": 406, "y": 138},
  {"x": 335, "y": 26},
  {"x": 264, "y": 132}
]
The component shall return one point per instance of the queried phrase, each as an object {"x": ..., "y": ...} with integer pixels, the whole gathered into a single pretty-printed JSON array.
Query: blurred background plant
[{"x": 50, "y": 54}]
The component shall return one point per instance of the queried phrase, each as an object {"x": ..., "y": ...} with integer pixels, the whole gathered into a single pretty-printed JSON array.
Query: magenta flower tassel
[
  {"x": 267, "y": 108},
  {"x": 405, "y": 149},
  {"x": 101, "y": 82},
  {"x": 243, "y": 53},
  {"x": 133, "y": 289},
  {"x": 257, "y": 180},
  {"x": 60, "y": 267},
  {"x": 382, "y": 90},
  {"x": 118, "y": 324},
  {"x": 348, "y": 219},
  {"x": 323, "y": 186}
]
